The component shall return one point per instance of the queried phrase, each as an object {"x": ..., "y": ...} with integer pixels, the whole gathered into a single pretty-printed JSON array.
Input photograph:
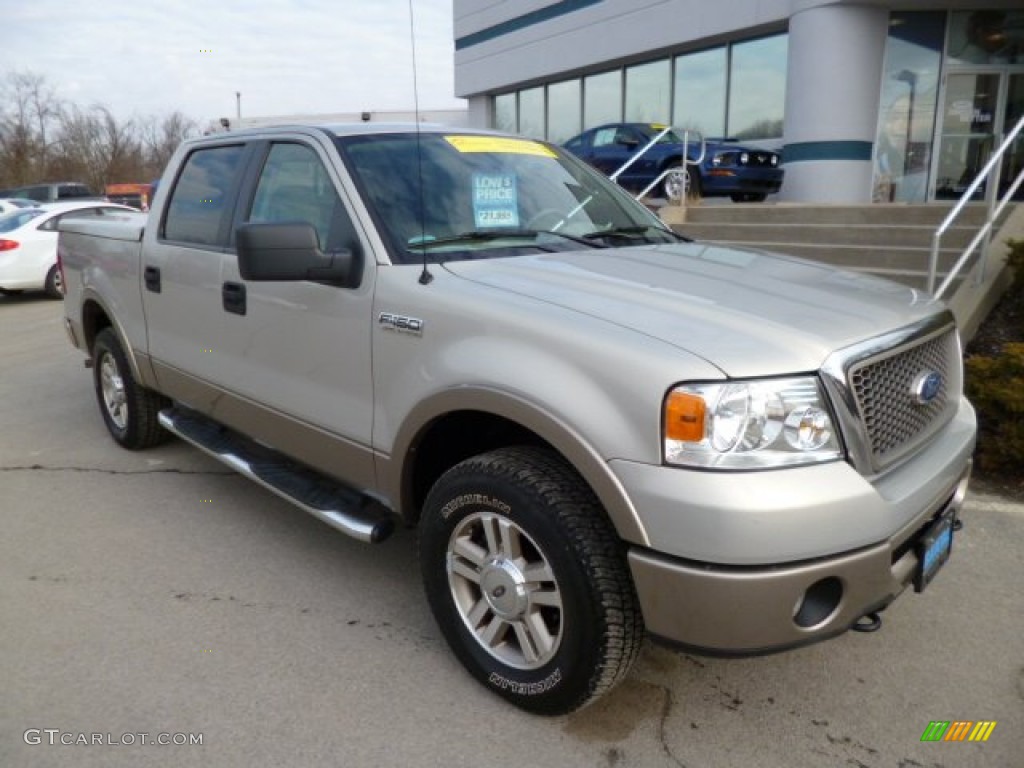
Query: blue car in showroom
[{"x": 728, "y": 169}]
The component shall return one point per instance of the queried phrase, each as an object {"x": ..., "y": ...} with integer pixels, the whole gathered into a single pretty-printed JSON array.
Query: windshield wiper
[
  {"x": 483, "y": 235},
  {"x": 634, "y": 231}
]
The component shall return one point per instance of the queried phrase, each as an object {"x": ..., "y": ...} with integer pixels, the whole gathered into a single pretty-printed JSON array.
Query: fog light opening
[{"x": 819, "y": 603}]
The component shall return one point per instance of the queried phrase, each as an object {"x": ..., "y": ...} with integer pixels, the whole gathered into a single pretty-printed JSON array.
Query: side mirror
[{"x": 290, "y": 251}]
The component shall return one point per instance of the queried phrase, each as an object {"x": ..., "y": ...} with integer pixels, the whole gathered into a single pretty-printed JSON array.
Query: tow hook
[{"x": 869, "y": 622}]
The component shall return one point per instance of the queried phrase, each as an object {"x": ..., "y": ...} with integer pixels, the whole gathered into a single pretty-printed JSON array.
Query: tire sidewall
[
  {"x": 107, "y": 344},
  {"x": 51, "y": 285},
  {"x": 555, "y": 686}
]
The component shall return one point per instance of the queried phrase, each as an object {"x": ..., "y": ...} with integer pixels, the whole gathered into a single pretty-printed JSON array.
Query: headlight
[
  {"x": 749, "y": 424},
  {"x": 744, "y": 158},
  {"x": 717, "y": 160},
  {"x": 775, "y": 160}
]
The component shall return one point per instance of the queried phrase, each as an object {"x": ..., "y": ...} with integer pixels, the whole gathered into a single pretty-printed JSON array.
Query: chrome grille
[{"x": 883, "y": 388}]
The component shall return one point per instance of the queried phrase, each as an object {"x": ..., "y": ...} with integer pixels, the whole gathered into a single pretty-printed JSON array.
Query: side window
[
  {"x": 39, "y": 193},
  {"x": 51, "y": 225},
  {"x": 295, "y": 186},
  {"x": 604, "y": 137},
  {"x": 625, "y": 135},
  {"x": 71, "y": 191},
  {"x": 199, "y": 201}
]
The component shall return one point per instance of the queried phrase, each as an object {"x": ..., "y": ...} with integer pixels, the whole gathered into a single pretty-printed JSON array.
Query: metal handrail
[
  {"x": 993, "y": 214},
  {"x": 686, "y": 160}
]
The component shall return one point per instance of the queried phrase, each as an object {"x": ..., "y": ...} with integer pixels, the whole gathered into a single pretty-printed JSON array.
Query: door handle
[
  {"x": 151, "y": 276},
  {"x": 233, "y": 297}
]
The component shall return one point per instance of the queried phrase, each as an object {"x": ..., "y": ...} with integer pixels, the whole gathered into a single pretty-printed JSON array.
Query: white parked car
[
  {"x": 8, "y": 204},
  {"x": 28, "y": 244}
]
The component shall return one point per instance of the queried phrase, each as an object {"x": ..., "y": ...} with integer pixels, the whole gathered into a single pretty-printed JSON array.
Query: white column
[{"x": 832, "y": 92}]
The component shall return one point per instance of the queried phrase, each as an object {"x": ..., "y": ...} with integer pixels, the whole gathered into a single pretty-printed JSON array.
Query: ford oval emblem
[{"x": 926, "y": 387}]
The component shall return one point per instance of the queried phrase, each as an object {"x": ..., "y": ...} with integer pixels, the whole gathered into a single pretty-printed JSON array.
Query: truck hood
[{"x": 746, "y": 312}]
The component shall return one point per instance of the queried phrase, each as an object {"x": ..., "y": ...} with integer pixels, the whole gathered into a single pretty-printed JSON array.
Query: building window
[
  {"x": 757, "y": 88},
  {"x": 906, "y": 115},
  {"x": 699, "y": 103},
  {"x": 505, "y": 117},
  {"x": 648, "y": 92},
  {"x": 531, "y": 112},
  {"x": 986, "y": 37},
  {"x": 565, "y": 110},
  {"x": 737, "y": 90},
  {"x": 602, "y": 99}
]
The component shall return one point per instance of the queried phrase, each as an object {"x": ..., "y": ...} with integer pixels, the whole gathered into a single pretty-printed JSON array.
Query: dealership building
[{"x": 867, "y": 99}]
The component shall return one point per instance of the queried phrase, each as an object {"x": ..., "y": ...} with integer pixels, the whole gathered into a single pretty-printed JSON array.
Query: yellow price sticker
[{"x": 499, "y": 144}]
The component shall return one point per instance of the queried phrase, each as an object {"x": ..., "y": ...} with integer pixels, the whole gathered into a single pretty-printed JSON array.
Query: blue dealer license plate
[{"x": 933, "y": 549}]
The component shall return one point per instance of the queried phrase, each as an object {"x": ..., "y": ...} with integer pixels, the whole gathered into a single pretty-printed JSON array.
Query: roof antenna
[{"x": 425, "y": 276}]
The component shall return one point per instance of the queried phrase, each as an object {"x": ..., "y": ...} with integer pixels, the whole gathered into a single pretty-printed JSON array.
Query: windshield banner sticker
[
  {"x": 495, "y": 200},
  {"x": 498, "y": 144}
]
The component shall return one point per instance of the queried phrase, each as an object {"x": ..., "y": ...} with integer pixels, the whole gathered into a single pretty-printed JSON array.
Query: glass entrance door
[{"x": 968, "y": 135}]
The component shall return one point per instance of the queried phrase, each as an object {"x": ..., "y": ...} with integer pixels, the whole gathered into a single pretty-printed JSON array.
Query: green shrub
[
  {"x": 996, "y": 387},
  {"x": 995, "y": 379},
  {"x": 1015, "y": 261}
]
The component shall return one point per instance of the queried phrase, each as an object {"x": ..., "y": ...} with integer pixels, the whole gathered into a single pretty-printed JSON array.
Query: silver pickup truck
[{"x": 599, "y": 428}]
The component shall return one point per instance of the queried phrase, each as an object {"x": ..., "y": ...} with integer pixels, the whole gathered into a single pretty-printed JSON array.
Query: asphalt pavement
[{"x": 158, "y": 594}]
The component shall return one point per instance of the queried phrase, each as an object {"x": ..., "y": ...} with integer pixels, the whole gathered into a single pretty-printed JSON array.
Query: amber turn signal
[{"x": 684, "y": 417}]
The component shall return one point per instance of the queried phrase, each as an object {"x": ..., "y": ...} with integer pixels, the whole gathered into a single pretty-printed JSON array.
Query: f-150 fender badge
[{"x": 400, "y": 323}]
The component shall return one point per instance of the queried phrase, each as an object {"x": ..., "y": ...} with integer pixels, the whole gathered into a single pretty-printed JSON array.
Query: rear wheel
[
  {"x": 527, "y": 580},
  {"x": 53, "y": 286},
  {"x": 129, "y": 410}
]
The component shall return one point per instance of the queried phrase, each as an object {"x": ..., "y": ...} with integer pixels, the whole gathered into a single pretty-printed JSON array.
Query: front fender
[{"x": 396, "y": 469}]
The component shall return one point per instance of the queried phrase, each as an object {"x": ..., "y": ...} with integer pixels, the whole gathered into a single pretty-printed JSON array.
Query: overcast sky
[{"x": 151, "y": 57}]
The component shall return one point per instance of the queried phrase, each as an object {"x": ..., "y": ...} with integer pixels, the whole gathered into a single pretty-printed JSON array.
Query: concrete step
[
  {"x": 880, "y": 235},
  {"x": 928, "y": 215},
  {"x": 888, "y": 261}
]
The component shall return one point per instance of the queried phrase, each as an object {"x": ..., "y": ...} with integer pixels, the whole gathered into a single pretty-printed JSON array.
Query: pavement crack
[
  {"x": 666, "y": 709},
  {"x": 101, "y": 471}
]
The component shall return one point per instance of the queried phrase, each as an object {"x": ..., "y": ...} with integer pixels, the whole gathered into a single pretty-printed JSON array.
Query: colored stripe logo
[{"x": 958, "y": 730}]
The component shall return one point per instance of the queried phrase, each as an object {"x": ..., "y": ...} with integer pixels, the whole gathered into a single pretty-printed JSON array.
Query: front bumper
[
  {"x": 751, "y": 610},
  {"x": 741, "y": 179},
  {"x": 737, "y": 552}
]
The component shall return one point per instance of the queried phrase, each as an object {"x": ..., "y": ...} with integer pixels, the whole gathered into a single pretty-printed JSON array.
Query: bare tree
[
  {"x": 160, "y": 137},
  {"x": 98, "y": 149},
  {"x": 42, "y": 138},
  {"x": 29, "y": 110}
]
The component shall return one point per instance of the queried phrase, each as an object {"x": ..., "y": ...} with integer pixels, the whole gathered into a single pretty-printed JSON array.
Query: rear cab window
[{"x": 202, "y": 202}]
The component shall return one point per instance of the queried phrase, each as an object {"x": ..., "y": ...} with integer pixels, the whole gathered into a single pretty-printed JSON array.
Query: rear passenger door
[{"x": 182, "y": 261}]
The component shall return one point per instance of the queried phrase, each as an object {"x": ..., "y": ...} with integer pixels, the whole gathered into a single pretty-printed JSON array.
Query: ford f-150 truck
[{"x": 600, "y": 429}]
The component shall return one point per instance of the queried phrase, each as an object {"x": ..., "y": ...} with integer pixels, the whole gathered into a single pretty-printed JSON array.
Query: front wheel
[
  {"x": 683, "y": 180},
  {"x": 129, "y": 409},
  {"x": 527, "y": 580}
]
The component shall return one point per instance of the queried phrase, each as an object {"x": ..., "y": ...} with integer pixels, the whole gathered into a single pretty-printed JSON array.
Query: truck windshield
[{"x": 483, "y": 196}]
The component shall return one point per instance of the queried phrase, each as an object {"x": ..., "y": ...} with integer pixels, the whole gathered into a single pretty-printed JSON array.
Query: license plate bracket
[{"x": 933, "y": 549}]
